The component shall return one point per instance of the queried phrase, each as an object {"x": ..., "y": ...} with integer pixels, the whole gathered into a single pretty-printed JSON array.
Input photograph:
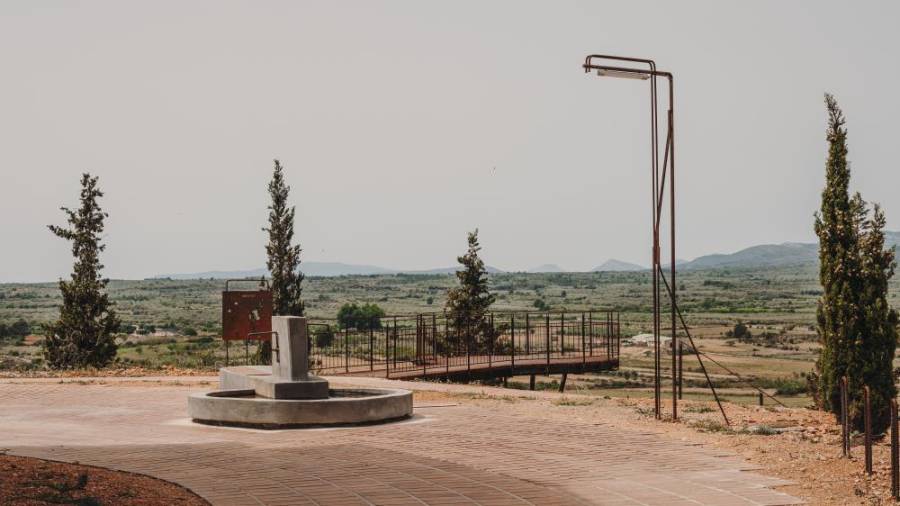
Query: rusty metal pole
[
  {"x": 527, "y": 335},
  {"x": 618, "y": 336},
  {"x": 512, "y": 338},
  {"x": 680, "y": 369},
  {"x": 583, "y": 342},
  {"x": 395, "y": 337},
  {"x": 868, "y": 424},
  {"x": 845, "y": 436},
  {"x": 895, "y": 453},
  {"x": 562, "y": 383},
  {"x": 591, "y": 330},
  {"x": 387, "y": 350},
  {"x": 371, "y": 347},
  {"x": 468, "y": 349},
  {"x": 421, "y": 319},
  {"x": 562, "y": 334},
  {"x": 658, "y": 181},
  {"x": 671, "y": 151},
  {"x": 547, "y": 323},
  {"x": 491, "y": 343}
]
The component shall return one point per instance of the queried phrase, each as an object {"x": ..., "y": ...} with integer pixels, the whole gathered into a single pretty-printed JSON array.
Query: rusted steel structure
[
  {"x": 620, "y": 66},
  {"x": 246, "y": 314},
  {"x": 500, "y": 346}
]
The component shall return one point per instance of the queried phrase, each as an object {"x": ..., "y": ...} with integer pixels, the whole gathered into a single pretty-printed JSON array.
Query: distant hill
[
  {"x": 308, "y": 268},
  {"x": 770, "y": 255},
  {"x": 447, "y": 270},
  {"x": 613, "y": 265},
  {"x": 546, "y": 268},
  {"x": 323, "y": 269},
  {"x": 764, "y": 255}
]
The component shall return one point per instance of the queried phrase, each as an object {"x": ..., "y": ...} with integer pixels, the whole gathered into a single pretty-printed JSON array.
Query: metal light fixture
[
  {"x": 612, "y": 66},
  {"x": 659, "y": 172},
  {"x": 623, "y": 74}
]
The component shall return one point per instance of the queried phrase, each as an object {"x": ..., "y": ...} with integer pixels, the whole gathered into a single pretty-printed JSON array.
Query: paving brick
[{"x": 460, "y": 455}]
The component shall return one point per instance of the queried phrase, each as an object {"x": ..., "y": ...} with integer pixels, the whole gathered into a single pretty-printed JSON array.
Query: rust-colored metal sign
[{"x": 246, "y": 312}]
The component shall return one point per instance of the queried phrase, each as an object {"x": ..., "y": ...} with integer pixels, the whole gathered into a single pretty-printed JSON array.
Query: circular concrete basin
[{"x": 344, "y": 406}]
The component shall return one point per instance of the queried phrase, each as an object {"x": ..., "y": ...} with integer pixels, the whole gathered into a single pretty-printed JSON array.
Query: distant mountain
[
  {"x": 308, "y": 268},
  {"x": 252, "y": 273},
  {"x": 546, "y": 268},
  {"x": 613, "y": 265},
  {"x": 340, "y": 269},
  {"x": 772, "y": 255},
  {"x": 447, "y": 270},
  {"x": 323, "y": 269},
  {"x": 764, "y": 255}
]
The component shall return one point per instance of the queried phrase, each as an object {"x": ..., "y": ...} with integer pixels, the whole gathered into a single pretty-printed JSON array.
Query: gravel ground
[{"x": 28, "y": 482}]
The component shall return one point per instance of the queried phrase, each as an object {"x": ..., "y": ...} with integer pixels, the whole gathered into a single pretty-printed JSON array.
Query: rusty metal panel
[{"x": 244, "y": 312}]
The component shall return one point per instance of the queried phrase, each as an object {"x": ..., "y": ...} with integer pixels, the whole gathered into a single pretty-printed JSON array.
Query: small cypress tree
[
  {"x": 283, "y": 258},
  {"x": 469, "y": 302},
  {"x": 876, "y": 344},
  {"x": 83, "y": 334}
]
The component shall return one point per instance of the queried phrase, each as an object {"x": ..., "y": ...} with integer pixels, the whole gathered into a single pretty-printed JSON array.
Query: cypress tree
[
  {"x": 469, "y": 302},
  {"x": 283, "y": 258},
  {"x": 838, "y": 240},
  {"x": 82, "y": 336},
  {"x": 856, "y": 327},
  {"x": 875, "y": 345}
]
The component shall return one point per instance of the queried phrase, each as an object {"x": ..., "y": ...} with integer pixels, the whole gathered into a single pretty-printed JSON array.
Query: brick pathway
[{"x": 463, "y": 454}]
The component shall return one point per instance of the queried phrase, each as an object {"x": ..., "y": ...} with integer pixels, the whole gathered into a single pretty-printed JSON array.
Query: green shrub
[{"x": 323, "y": 336}]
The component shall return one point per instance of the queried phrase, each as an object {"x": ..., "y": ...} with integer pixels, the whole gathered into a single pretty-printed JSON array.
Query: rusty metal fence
[{"x": 433, "y": 344}]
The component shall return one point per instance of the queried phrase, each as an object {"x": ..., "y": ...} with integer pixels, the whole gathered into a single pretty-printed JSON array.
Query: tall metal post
[
  {"x": 658, "y": 183},
  {"x": 512, "y": 338},
  {"x": 547, "y": 321},
  {"x": 583, "y": 343},
  {"x": 845, "y": 432},
  {"x": 591, "y": 330},
  {"x": 895, "y": 452},
  {"x": 527, "y": 335},
  {"x": 868, "y": 426},
  {"x": 680, "y": 370}
]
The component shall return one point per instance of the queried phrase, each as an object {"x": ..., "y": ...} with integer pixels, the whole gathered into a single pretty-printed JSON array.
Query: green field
[{"x": 785, "y": 295}]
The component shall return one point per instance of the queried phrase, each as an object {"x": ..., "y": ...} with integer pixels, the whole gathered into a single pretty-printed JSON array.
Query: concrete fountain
[{"x": 285, "y": 395}]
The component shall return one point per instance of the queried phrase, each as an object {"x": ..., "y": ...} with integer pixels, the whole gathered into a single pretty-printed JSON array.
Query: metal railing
[{"x": 434, "y": 343}]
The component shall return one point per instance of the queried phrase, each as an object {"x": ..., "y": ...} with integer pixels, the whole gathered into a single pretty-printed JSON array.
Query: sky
[{"x": 404, "y": 124}]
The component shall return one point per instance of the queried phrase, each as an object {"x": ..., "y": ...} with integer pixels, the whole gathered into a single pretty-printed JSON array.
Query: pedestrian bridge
[{"x": 430, "y": 346}]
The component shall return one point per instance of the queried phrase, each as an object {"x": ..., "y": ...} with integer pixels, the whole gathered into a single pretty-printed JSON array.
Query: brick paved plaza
[{"x": 451, "y": 452}]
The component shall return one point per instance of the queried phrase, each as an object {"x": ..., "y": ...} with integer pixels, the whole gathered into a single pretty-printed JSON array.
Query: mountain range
[
  {"x": 763, "y": 255},
  {"x": 318, "y": 269}
]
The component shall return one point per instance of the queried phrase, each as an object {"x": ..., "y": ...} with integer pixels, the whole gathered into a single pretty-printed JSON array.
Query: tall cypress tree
[
  {"x": 283, "y": 258},
  {"x": 856, "y": 327},
  {"x": 83, "y": 334},
  {"x": 838, "y": 263},
  {"x": 469, "y": 302}
]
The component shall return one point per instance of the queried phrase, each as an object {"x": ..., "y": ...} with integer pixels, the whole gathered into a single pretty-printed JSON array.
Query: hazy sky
[{"x": 390, "y": 118}]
